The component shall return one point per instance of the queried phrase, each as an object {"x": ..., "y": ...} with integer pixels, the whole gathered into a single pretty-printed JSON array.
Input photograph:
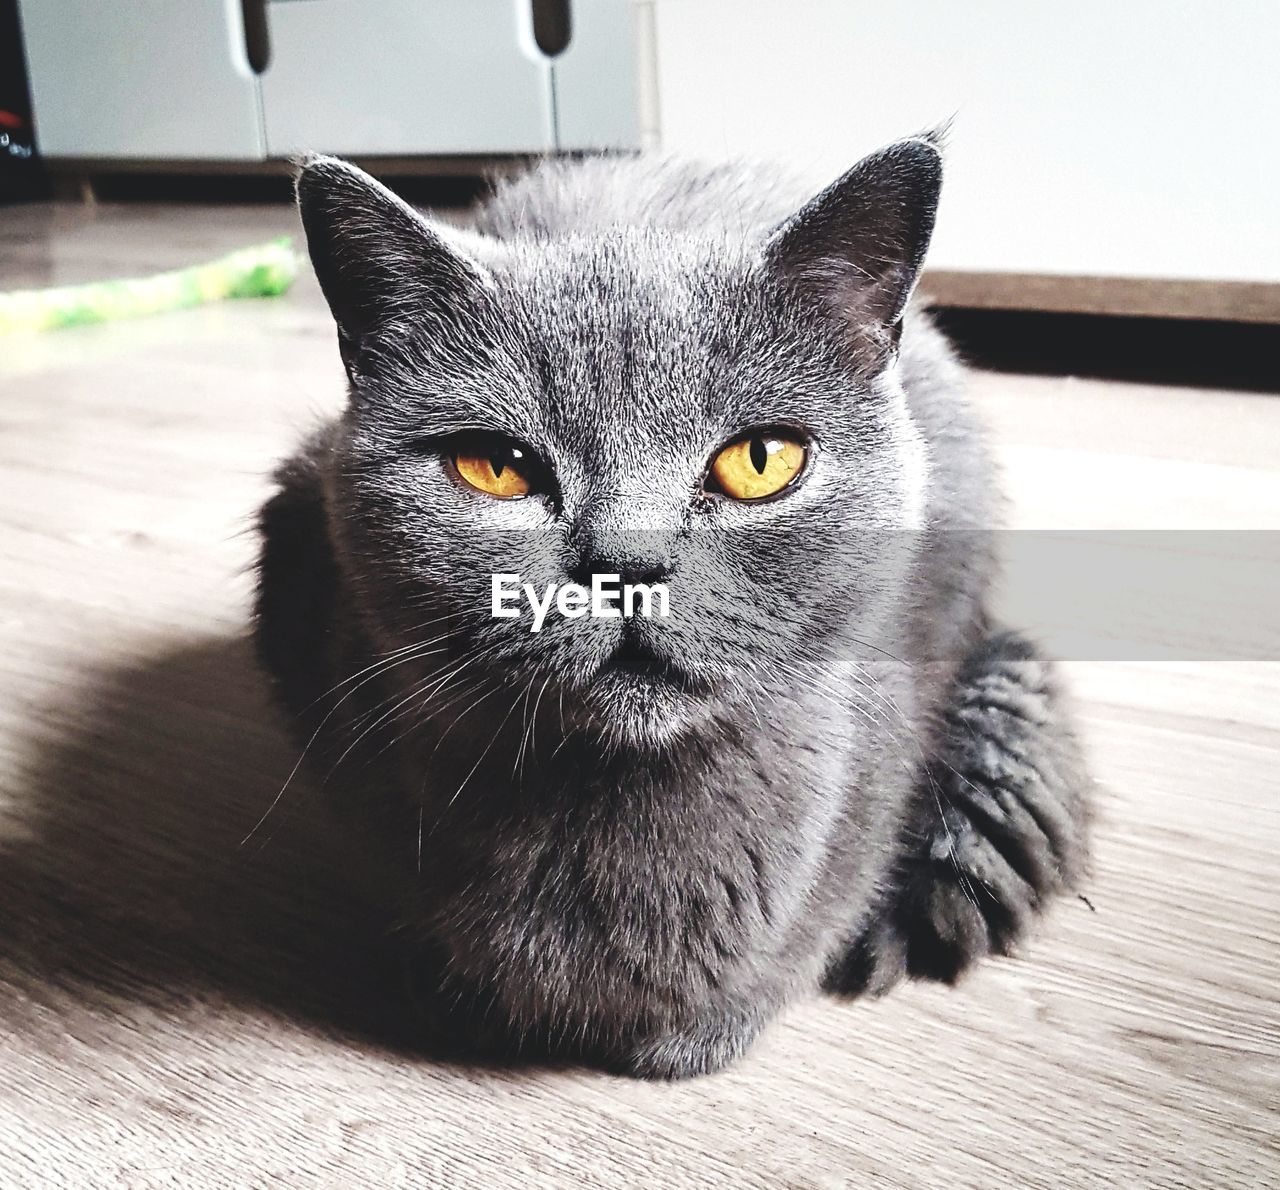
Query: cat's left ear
[
  {"x": 858, "y": 247},
  {"x": 378, "y": 261}
]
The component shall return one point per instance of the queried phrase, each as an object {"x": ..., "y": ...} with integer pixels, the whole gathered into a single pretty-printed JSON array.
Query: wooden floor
[{"x": 178, "y": 1009}]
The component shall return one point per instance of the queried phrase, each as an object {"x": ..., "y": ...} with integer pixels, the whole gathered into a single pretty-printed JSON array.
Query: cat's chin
[{"x": 642, "y": 713}]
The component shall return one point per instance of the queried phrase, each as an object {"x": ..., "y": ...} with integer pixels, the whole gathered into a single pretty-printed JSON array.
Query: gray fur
[{"x": 634, "y": 844}]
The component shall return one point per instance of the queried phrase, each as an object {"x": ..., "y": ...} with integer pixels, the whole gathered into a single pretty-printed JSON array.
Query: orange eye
[
  {"x": 761, "y": 464},
  {"x": 501, "y": 470}
]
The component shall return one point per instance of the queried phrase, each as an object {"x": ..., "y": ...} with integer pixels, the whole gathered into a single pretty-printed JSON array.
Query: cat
[{"x": 631, "y": 842}]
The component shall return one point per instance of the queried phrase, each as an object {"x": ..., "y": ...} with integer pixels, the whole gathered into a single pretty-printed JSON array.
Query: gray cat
[{"x": 630, "y": 841}]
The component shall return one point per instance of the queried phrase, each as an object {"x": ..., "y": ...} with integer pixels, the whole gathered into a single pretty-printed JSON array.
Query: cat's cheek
[
  {"x": 915, "y": 480},
  {"x": 911, "y": 467},
  {"x": 528, "y": 515}
]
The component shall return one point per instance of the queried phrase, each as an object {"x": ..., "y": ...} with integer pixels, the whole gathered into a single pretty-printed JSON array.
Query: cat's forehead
[
  {"x": 636, "y": 325},
  {"x": 630, "y": 282}
]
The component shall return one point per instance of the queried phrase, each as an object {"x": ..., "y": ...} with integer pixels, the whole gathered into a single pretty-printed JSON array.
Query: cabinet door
[
  {"x": 399, "y": 77},
  {"x": 141, "y": 79},
  {"x": 597, "y": 77}
]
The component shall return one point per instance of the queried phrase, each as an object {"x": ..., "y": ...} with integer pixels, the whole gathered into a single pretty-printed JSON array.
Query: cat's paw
[
  {"x": 872, "y": 964},
  {"x": 700, "y": 1049},
  {"x": 969, "y": 899},
  {"x": 1001, "y": 829}
]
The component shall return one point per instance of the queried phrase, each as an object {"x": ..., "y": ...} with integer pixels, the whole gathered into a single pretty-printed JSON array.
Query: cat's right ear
[
  {"x": 857, "y": 248},
  {"x": 378, "y": 261}
]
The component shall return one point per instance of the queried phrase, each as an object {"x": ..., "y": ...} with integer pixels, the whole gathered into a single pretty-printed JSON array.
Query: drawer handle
[
  {"x": 552, "y": 26},
  {"x": 257, "y": 37}
]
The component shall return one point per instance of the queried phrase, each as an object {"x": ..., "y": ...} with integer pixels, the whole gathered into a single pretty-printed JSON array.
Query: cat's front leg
[
  {"x": 466, "y": 1020},
  {"x": 702, "y": 1048},
  {"x": 998, "y": 829}
]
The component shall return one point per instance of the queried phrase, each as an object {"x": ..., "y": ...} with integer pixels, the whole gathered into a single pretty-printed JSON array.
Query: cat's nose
[
  {"x": 631, "y": 566},
  {"x": 626, "y": 532},
  {"x": 634, "y": 555}
]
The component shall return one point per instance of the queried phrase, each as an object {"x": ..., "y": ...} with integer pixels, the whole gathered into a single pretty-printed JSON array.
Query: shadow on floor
[{"x": 126, "y": 875}]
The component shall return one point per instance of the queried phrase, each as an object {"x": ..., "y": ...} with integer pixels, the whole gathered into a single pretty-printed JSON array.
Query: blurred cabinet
[
  {"x": 1104, "y": 157},
  {"x": 603, "y": 78},
  {"x": 134, "y": 79},
  {"x": 397, "y": 77},
  {"x": 248, "y": 80}
]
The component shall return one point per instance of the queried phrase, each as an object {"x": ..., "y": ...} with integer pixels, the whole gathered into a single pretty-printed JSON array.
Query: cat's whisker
[
  {"x": 415, "y": 712},
  {"x": 463, "y": 714},
  {"x": 564, "y": 739},
  {"x": 434, "y": 685},
  {"x": 533, "y": 729},
  {"x": 528, "y": 729},
  {"x": 419, "y": 692},
  {"x": 311, "y": 741},
  {"x": 388, "y": 659},
  {"x": 755, "y": 710},
  {"x": 846, "y": 701},
  {"x": 480, "y": 759},
  {"x": 524, "y": 717}
]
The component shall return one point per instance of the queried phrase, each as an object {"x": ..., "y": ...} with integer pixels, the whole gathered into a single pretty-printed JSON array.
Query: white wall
[{"x": 1135, "y": 138}]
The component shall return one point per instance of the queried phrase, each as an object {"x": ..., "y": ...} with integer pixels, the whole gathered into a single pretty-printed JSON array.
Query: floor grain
[{"x": 176, "y": 1008}]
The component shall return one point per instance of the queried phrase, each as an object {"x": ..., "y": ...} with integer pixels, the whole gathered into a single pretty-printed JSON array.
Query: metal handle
[
  {"x": 552, "y": 26},
  {"x": 257, "y": 37}
]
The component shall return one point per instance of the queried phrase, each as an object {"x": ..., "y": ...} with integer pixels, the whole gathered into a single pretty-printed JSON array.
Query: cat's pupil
[
  {"x": 759, "y": 455},
  {"x": 495, "y": 461}
]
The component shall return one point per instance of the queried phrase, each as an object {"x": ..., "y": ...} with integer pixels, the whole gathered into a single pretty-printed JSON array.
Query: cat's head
[{"x": 719, "y": 414}]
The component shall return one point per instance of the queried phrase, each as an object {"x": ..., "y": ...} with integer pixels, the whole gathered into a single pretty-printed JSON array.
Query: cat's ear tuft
[
  {"x": 859, "y": 246},
  {"x": 377, "y": 260}
]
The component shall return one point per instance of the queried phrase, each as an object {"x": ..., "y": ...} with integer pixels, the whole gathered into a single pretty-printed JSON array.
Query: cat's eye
[
  {"x": 496, "y": 466},
  {"x": 759, "y": 464}
]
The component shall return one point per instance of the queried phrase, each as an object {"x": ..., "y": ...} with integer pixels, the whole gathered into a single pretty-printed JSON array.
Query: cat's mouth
[
  {"x": 633, "y": 658},
  {"x": 641, "y": 694},
  {"x": 639, "y": 663}
]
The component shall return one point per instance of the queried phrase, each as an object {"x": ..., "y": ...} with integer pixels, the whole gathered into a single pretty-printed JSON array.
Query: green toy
[{"x": 265, "y": 270}]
